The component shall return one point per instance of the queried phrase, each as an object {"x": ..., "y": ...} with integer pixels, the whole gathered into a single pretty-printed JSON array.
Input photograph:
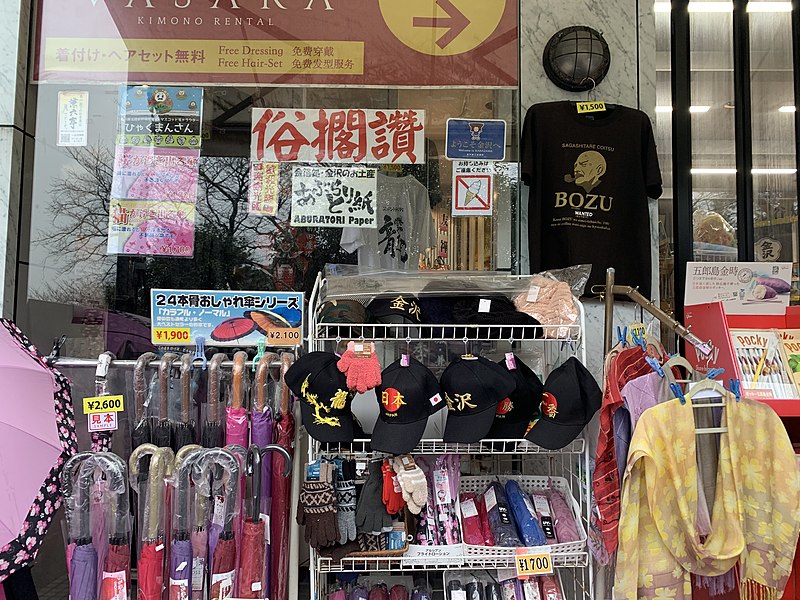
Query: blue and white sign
[
  {"x": 476, "y": 139},
  {"x": 229, "y": 318}
]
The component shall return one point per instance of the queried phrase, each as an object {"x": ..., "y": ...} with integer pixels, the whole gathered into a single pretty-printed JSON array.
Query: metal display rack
[{"x": 435, "y": 345}]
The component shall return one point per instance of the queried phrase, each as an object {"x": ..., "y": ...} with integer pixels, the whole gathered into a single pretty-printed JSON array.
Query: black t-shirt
[{"x": 589, "y": 180}]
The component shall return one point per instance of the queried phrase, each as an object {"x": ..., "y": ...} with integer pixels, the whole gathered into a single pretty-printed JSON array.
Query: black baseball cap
[
  {"x": 325, "y": 400},
  {"x": 521, "y": 407},
  {"x": 570, "y": 399},
  {"x": 472, "y": 387},
  {"x": 396, "y": 308},
  {"x": 407, "y": 396}
]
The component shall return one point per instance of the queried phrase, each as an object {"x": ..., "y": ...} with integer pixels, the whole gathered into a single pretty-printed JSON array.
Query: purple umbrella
[
  {"x": 83, "y": 573},
  {"x": 236, "y": 423},
  {"x": 83, "y": 556},
  {"x": 180, "y": 561}
]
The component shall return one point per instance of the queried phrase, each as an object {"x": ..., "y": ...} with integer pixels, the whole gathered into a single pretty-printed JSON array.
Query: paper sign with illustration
[
  {"x": 473, "y": 188},
  {"x": 160, "y": 116},
  {"x": 334, "y": 196},
  {"x": 73, "y": 118},
  {"x": 744, "y": 288},
  {"x": 155, "y": 174},
  {"x": 263, "y": 190},
  {"x": 143, "y": 227}
]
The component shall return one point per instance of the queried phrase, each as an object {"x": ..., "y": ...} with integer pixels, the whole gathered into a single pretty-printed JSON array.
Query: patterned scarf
[{"x": 756, "y": 511}]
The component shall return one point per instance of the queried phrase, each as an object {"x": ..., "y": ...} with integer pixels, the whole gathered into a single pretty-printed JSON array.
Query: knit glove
[
  {"x": 392, "y": 497},
  {"x": 362, "y": 373},
  {"x": 316, "y": 509},
  {"x": 412, "y": 483},
  {"x": 346, "y": 502},
  {"x": 371, "y": 515}
]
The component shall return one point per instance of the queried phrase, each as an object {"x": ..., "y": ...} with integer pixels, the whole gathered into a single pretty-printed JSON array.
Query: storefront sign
[
  {"x": 334, "y": 196},
  {"x": 230, "y": 318},
  {"x": 155, "y": 174},
  {"x": 744, "y": 288},
  {"x": 473, "y": 188},
  {"x": 263, "y": 190},
  {"x": 160, "y": 116},
  {"x": 338, "y": 135},
  {"x": 143, "y": 227},
  {"x": 73, "y": 118},
  {"x": 475, "y": 139},
  {"x": 285, "y": 42}
]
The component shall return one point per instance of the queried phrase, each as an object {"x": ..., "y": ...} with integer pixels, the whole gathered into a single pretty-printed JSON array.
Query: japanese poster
[
  {"x": 473, "y": 188},
  {"x": 338, "y": 136},
  {"x": 73, "y": 118},
  {"x": 744, "y": 288},
  {"x": 377, "y": 43},
  {"x": 229, "y": 318},
  {"x": 475, "y": 139},
  {"x": 263, "y": 190},
  {"x": 155, "y": 174},
  {"x": 144, "y": 227},
  {"x": 334, "y": 196},
  {"x": 160, "y": 116}
]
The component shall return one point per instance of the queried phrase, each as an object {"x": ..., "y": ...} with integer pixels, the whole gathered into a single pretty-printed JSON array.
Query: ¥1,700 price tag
[
  {"x": 590, "y": 107},
  {"x": 171, "y": 335},
  {"x": 284, "y": 337},
  {"x": 534, "y": 561},
  {"x": 103, "y": 404}
]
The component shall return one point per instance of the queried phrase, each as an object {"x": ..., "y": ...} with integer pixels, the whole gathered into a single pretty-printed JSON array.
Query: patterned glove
[
  {"x": 412, "y": 483},
  {"x": 346, "y": 502},
  {"x": 371, "y": 515},
  {"x": 317, "y": 509}
]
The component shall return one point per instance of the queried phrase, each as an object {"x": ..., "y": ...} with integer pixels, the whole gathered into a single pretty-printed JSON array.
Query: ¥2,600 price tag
[
  {"x": 590, "y": 107},
  {"x": 171, "y": 335},
  {"x": 102, "y": 404},
  {"x": 284, "y": 337},
  {"x": 534, "y": 561}
]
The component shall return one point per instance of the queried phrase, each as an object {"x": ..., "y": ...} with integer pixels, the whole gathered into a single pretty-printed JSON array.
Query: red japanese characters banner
[
  {"x": 279, "y": 42},
  {"x": 338, "y": 135}
]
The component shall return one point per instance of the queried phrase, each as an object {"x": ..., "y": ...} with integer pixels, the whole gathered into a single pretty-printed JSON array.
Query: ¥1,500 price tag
[
  {"x": 171, "y": 335},
  {"x": 102, "y": 404},
  {"x": 534, "y": 561},
  {"x": 284, "y": 337},
  {"x": 590, "y": 107}
]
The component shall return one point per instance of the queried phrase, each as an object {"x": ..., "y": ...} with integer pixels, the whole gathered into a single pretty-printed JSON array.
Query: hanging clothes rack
[{"x": 610, "y": 288}]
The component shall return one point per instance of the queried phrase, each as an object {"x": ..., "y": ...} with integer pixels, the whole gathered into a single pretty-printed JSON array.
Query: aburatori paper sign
[{"x": 334, "y": 196}]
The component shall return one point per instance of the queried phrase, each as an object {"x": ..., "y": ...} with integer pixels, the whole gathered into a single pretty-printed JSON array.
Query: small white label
[
  {"x": 198, "y": 573},
  {"x": 358, "y": 348},
  {"x": 468, "y": 509},
  {"x": 490, "y": 499},
  {"x": 159, "y": 548},
  {"x": 533, "y": 293},
  {"x": 256, "y": 587},
  {"x": 541, "y": 504},
  {"x": 178, "y": 589},
  {"x": 458, "y": 595},
  {"x": 219, "y": 511},
  {"x": 511, "y": 361},
  {"x": 267, "y": 532},
  {"x": 436, "y": 399},
  {"x": 182, "y": 566},
  {"x": 484, "y": 305}
]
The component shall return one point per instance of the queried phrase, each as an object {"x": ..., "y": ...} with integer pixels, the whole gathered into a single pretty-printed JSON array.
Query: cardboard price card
[{"x": 534, "y": 561}]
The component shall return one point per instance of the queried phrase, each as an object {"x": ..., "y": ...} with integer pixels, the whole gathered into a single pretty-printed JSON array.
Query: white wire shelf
[
  {"x": 409, "y": 332},
  {"x": 361, "y": 448},
  {"x": 402, "y": 563}
]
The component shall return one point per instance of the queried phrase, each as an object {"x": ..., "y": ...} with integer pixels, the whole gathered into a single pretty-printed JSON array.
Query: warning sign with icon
[{"x": 473, "y": 188}]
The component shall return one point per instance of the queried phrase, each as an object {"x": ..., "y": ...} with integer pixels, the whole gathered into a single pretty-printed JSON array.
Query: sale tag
[
  {"x": 284, "y": 337},
  {"x": 103, "y": 404},
  {"x": 171, "y": 335},
  {"x": 534, "y": 561},
  {"x": 105, "y": 421},
  {"x": 590, "y": 107}
]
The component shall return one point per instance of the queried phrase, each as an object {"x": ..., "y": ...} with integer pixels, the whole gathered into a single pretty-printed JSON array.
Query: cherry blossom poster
[{"x": 155, "y": 174}]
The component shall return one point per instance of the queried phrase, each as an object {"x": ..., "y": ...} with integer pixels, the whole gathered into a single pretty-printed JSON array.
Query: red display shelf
[{"x": 785, "y": 408}]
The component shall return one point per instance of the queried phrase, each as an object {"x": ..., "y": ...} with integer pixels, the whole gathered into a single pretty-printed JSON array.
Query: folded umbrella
[
  {"x": 212, "y": 430},
  {"x": 183, "y": 433},
  {"x": 180, "y": 558},
  {"x": 82, "y": 555},
  {"x": 236, "y": 430},
  {"x": 142, "y": 430},
  {"x": 162, "y": 434},
  {"x": 83, "y": 573},
  {"x": 240, "y": 452},
  {"x": 250, "y": 582},
  {"x": 101, "y": 440},
  {"x": 151, "y": 558}
]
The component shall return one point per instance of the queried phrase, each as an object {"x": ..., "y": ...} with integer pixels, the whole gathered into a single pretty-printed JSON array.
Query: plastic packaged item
[
  {"x": 486, "y": 530},
  {"x": 530, "y": 531},
  {"x": 566, "y": 528},
  {"x": 492, "y": 591},
  {"x": 530, "y": 589},
  {"x": 455, "y": 590},
  {"x": 359, "y": 592},
  {"x": 398, "y": 592},
  {"x": 551, "y": 590},
  {"x": 475, "y": 590},
  {"x": 545, "y": 516},
  {"x": 471, "y": 520},
  {"x": 711, "y": 228},
  {"x": 550, "y": 302},
  {"x": 512, "y": 589},
  {"x": 500, "y": 520}
]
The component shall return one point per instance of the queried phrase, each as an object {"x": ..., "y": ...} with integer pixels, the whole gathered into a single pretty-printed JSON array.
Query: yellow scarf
[{"x": 756, "y": 513}]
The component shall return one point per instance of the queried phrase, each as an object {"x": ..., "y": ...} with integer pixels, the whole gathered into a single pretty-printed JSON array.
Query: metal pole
[
  {"x": 609, "y": 301},
  {"x": 89, "y": 363}
]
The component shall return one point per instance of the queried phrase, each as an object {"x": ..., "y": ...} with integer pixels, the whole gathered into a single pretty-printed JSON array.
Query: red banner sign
[{"x": 279, "y": 42}]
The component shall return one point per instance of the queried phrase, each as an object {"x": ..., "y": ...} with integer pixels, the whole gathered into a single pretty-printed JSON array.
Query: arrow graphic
[{"x": 455, "y": 22}]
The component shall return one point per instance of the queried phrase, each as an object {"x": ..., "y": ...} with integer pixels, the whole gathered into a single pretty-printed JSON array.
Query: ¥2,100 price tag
[
  {"x": 534, "y": 561},
  {"x": 103, "y": 404},
  {"x": 171, "y": 335},
  {"x": 590, "y": 107},
  {"x": 284, "y": 337}
]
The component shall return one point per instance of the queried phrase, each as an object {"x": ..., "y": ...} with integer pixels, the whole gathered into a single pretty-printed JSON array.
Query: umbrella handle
[
  {"x": 184, "y": 459},
  {"x": 254, "y": 472},
  {"x": 115, "y": 470},
  {"x": 140, "y": 384},
  {"x": 237, "y": 388},
  {"x": 75, "y": 498},
  {"x": 160, "y": 468},
  {"x": 261, "y": 379},
  {"x": 287, "y": 459},
  {"x": 186, "y": 386},
  {"x": 213, "y": 385},
  {"x": 163, "y": 380},
  {"x": 287, "y": 359}
]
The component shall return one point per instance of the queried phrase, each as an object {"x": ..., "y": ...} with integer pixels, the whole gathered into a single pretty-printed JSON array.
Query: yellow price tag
[
  {"x": 590, "y": 107},
  {"x": 534, "y": 561},
  {"x": 101, "y": 404},
  {"x": 284, "y": 337},
  {"x": 171, "y": 335}
]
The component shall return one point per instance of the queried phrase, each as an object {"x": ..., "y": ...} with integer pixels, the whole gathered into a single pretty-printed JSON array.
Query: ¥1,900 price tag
[
  {"x": 590, "y": 107},
  {"x": 171, "y": 335},
  {"x": 534, "y": 561},
  {"x": 103, "y": 404},
  {"x": 284, "y": 337}
]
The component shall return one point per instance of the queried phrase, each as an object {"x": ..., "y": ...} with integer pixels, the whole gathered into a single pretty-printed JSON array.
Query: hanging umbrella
[
  {"x": 212, "y": 430},
  {"x": 281, "y": 491},
  {"x": 37, "y": 419},
  {"x": 180, "y": 558},
  {"x": 151, "y": 557},
  {"x": 200, "y": 530},
  {"x": 183, "y": 432},
  {"x": 82, "y": 556},
  {"x": 233, "y": 329},
  {"x": 261, "y": 424},
  {"x": 236, "y": 431},
  {"x": 251, "y": 568},
  {"x": 101, "y": 440},
  {"x": 162, "y": 434},
  {"x": 142, "y": 431},
  {"x": 240, "y": 452}
]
